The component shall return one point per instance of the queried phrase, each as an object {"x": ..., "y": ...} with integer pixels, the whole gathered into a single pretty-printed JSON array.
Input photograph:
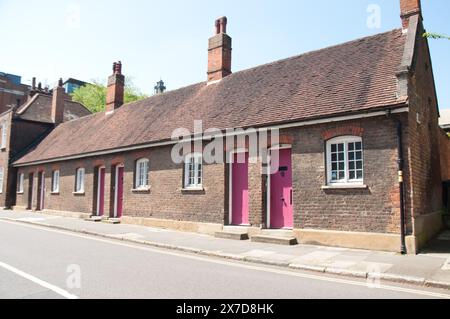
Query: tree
[
  {"x": 432, "y": 35},
  {"x": 93, "y": 96}
]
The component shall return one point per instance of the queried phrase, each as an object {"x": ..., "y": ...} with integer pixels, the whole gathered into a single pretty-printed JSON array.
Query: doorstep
[
  {"x": 94, "y": 219},
  {"x": 114, "y": 221},
  {"x": 233, "y": 233},
  {"x": 286, "y": 241}
]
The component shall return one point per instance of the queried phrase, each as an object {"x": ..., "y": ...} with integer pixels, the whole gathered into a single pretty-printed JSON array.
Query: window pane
[
  {"x": 359, "y": 174},
  {"x": 333, "y": 148},
  {"x": 359, "y": 146},
  {"x": 352, "y": 175},
  {"x": 351, "y": 146}
]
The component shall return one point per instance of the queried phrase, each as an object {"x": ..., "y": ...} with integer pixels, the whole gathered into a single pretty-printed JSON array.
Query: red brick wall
[
  {"x": 423, "y": 136},
  {"x": 166, "y": 198},
  {"x": 373, "y": 210},
  {"x": 444, "y": 149}
]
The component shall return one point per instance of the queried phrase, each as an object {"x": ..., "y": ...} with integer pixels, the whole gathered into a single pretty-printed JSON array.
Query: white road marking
[
  {"x": 38, "y": 281},
  {"x": 238, "y": 265}
]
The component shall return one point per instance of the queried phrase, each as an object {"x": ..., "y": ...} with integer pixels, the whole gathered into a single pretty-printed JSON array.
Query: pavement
[{"x": 431, "y": 268}]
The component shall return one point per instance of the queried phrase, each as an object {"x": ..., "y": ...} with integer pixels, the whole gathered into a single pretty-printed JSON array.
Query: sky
[{"x": 168, "y": 39}]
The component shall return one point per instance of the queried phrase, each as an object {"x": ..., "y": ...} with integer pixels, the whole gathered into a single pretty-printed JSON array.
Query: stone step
[
  {"x": 111, "y": 221},
  {"x": 94, "y": 219},
  {"x": 232, "y": 235},
  {"x": 277, "y": 240}
]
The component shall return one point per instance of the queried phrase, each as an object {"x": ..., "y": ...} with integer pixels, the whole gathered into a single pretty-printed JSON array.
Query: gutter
[
  {"x": 401, "y": 186},
  {"x": 398, "y": 108}
]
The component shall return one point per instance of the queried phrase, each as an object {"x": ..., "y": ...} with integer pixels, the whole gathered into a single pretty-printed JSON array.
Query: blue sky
[{"x": 168, "y": 39}]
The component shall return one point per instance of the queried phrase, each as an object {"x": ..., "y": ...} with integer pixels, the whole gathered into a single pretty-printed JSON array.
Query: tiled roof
[
  {"x": 350, "y": 77},
  {"x": 39, "y": 109}
]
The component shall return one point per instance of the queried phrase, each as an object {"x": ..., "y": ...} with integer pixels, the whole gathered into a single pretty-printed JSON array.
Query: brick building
[
  {"x": 359, "y": 162},
  {"x": 22, "y": 127},
  {"x": 12, "y": 92}
]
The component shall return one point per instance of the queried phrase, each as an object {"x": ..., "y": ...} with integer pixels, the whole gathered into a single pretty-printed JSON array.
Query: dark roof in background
[
  {"x": 39, "y": 109},
  {"x": 350, "y": 77}
]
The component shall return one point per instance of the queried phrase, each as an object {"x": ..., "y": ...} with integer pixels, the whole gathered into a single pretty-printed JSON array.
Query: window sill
[
  {"x": 54, "y": 193},
  {"x": 349, "y": 186},
  {"x": 20, "y": 193},
  {"x": 141, "y": 190},
  {"x": 79, "y": 193},
  {"x": 193, "y": 190}
]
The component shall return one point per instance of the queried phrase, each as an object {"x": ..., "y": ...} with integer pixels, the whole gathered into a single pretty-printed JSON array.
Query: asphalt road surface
[{"x": 38, "y": 262}]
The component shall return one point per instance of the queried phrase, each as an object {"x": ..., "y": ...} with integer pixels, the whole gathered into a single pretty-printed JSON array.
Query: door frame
[
  {"x": 97, "y": 210},
  {"x": 41, "y": 189},
  {"x": 31, "y": 177},
  {"x": 230, "y": 186},
  {"x": 269, "y": 181},
  {"x": 116, "y": 184}
]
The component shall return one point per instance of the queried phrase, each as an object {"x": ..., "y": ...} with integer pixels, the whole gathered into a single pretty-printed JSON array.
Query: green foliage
[
  {"x": 93, "y": 96},
  {"x": 431, "y": 35}
]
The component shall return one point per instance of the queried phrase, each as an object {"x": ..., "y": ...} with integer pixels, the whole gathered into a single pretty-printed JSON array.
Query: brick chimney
[
  {"x": 116, "y": 88},
  {"x": 409, "y": 8},
  {"x": 219, "y": 52},
  {"x": 57, "y": 113}
]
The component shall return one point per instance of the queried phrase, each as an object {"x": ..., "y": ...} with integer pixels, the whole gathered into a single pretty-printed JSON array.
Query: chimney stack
[
  {"x": 116, "y": 88},
  {"x": 58, "y": 103},
  {"x": 409, "y": 8},
  {"x": 219, "y": 52}
]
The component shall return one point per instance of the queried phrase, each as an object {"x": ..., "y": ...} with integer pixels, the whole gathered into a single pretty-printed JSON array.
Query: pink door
[
  {"x": 281, "y": 201},
  {"x": 101, "y": 192},
  {"x": 239, "y": 190},
  {"x": 119, "y": 192}
]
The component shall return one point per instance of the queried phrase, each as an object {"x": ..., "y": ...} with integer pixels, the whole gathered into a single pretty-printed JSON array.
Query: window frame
[
  {"x": 55, "y": 190},
  {"x": 346, "y": 140},
  {"x": 4, "y": 136},
  {"x": 2, "y": 178},
  {"x": 137, "y": 180},
  {"x": 20, "y": 186},
  {"x": 197, "y": 172},
  {"x": 79, "y": 184}
]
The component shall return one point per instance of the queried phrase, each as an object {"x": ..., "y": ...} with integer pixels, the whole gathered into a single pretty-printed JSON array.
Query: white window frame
[
  {"x": 20, "y": 188},
  {"x": 193, "y": 179},
  {"x": 346, "y": 140},
  {"x": 55, "y": 181},
  {"x": 4, "y": 135},
  {"x": 79, "y": 180},
  {"x": 2, "y": 178},
  {"x": 142, "y": 178}
]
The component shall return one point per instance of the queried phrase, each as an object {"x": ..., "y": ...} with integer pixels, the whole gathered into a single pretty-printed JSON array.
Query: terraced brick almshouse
[{"x": 359, "y": 148}]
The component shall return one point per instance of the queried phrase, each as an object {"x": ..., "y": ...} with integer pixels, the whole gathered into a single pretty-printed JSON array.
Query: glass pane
[
  {"x": 333, "y": 148},
  {"x": 359, "y": 174},
  {"x": 351, "y": 156},
  {"x": 359, "y": 165},
  {"x": 359, "y": 146},
  {"x": 341, "y": 157},
  {"x": 333, "y": 157},
  {"x": 334, "y": 175},
  {"x": 352, "y": 175},
  {"x": 341, "y": 147},
  {"x": 334, "y": 166},
  {"x": 341, "y": 175},
  {"x": 351, "y": 146},
  {"x": 351, "y": 165},
  {"x": 341, "y": 166},
  {"x": 358, "y": 155}
]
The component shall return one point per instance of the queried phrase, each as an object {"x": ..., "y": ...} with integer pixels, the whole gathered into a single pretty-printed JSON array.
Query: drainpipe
[{"x": 400, "y": 162}]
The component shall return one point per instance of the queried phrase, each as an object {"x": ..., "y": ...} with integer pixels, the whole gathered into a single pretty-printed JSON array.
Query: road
[{"x": 38, "y": 262}]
